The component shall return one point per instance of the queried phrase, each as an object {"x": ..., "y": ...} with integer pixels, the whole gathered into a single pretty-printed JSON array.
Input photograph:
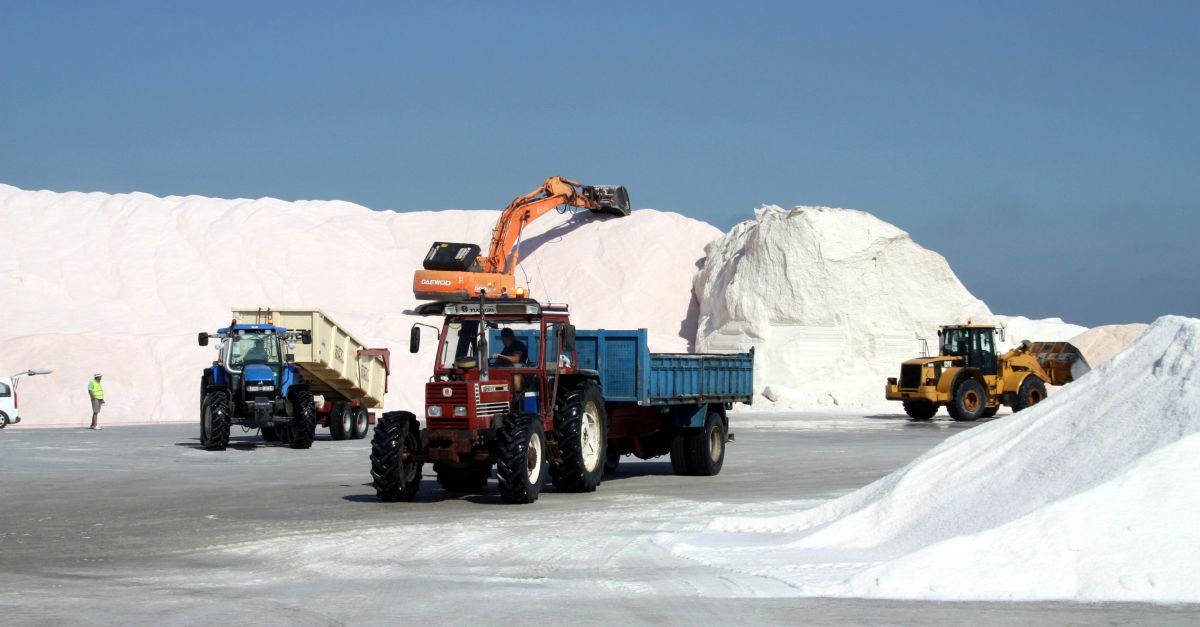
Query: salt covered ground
[{"x": 134, "y": 525}]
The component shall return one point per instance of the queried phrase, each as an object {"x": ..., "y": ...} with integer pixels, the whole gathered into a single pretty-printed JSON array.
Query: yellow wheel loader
[{"x": 972, "y": 381}]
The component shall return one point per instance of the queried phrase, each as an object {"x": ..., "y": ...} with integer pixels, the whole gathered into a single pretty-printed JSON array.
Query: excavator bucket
[
  {"x": 1061, "y": 360},
  {"x": 612, "y": 199}
]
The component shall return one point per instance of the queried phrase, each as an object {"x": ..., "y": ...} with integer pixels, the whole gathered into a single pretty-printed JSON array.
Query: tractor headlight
[
  {"x": 434, "y": 411},
  {"x": 460, "y": 411}
]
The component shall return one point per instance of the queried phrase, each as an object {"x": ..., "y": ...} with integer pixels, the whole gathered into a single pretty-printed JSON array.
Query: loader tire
[
  {"x": 360, "y": 425},
  {"x": 1031, "y": 392},
  {"x": 521, "y": 458},
  {"x": 708, "y": 447},
  {"x": 681, "y": 454},
  {"x": 580, "y": 431},
  {"x": 920, "y": 410},
  {"x": 969, "y": 402},
  {"x": 339, "y": 421},
  {"x": 269, "y": 433},
  {"x": 303, "y": 429},
  {"x": 395, "y": 457},
  {"x": 215, "y": 421},
  {"x": 462, "y": 480}
]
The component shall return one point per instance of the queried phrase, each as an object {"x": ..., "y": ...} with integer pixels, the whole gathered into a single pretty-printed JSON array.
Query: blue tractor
[{"x": 253, "y": 383}]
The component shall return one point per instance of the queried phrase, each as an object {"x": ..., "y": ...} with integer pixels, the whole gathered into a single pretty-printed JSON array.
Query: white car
[{"x": 8, "y": 397}]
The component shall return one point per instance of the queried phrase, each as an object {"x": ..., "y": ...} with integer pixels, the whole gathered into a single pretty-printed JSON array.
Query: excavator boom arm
[{"x": 554, "y": 192}]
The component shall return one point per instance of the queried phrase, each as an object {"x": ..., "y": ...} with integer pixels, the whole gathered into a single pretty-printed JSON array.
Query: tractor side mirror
[
  {"x": 290, "y": 357},
  {"x": 203, "y": 339},
  {"x": 568, "y": 340},
  {"x": 414, "y": 339}
]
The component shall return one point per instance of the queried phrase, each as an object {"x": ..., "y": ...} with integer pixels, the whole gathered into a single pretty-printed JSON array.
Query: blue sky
[{"x": 1050, "y": 150}]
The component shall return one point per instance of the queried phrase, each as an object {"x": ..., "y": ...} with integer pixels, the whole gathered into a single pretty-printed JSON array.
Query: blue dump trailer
[{"x": 518, "y": 388}]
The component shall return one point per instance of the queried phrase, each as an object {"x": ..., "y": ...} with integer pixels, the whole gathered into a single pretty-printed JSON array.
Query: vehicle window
[
  {"x": 552, "y": 351},
  {"x": 5, "y": 391},
  {"x": 260, "y": 348}
]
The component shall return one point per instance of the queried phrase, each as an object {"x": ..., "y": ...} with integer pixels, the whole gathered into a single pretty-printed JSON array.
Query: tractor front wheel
[
  {"x": 1032, "y": 392},
  {"x": 969, "y": 402},
  {"x": 395, "y": 461},
  {"x": 303, "y": 429},
  {"x": 580, "y": 432},
  {"x": 215, "y": 421},
  {"x": 521, "y": 458},
  {"x": 920, "y": 410}
]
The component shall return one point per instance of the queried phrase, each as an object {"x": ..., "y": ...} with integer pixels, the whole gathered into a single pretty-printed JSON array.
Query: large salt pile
[
  {"x": 832, "y": 299},
  {"x": 1101, "y": 344},
  {"x": 1084, "y": 496},
  {"x": 122, "y": 283}
]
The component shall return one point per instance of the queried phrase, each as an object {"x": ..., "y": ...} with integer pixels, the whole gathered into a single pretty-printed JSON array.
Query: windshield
[
  {"x": 461, "y": 347},
  {"x": 244, "y": 348},
  {"x": 956, "y": 342}
]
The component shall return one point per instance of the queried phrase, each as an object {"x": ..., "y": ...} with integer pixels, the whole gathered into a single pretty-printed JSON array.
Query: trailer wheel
[
  {"x": 612, "y": 459},
  {"x": 969, "y": 402},
  {"x": 681, "y": 454},
  {"x": 580, "y": 431},
  {"x": 395, "y": 462},
  {"x": 462, "y": 480},
  {"x": 339, "y": 421},
  {"x": 920, "y": 410},
  {"x": 215, "y": 421},
  {"x": 361, "y": 426},
  {"x": 303, "y": 429},
  {"x": 1032, "y": 392},
  {"x": 521, "y": 458},
  {"x": 708, "y": 447},
  {"x": 269, "y": 433}
]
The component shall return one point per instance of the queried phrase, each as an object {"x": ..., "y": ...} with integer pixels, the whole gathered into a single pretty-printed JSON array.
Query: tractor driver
[
  {"x": 257, "y": 352},
  {"x": 515, "y": 352}
]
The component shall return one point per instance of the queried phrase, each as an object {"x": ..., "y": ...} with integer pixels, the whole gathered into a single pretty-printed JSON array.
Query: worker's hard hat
[{"x": 97, "y": 374}]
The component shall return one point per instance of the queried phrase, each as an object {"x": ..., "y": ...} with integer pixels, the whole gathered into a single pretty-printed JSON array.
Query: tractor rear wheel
[
  {"x": 1032, "y": 392},
  {"x": 970, "y": 399},
  {"x": 681, "y": 454},
  {"x": 395, "y": 462},
  {"x": 303, "y": 429},
  {"x": 521, "y": 458},
  {"x": 580, "y": 432},
  {"x": 920, "y": 410},
  {"x": 360, "y": 425},
  {"x": 269, "y": 433},
  {"x": 462, "y": 480},
  {"x": 708, "y": 447},
  {"x": 215, "y": 421},
  {"x": 339, "y": 421}
]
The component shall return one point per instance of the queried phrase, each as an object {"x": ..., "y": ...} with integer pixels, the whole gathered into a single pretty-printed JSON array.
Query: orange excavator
[{"x": 455, "y": 271}]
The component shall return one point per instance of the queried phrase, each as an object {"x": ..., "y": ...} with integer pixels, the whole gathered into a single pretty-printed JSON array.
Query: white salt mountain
[
  {"x": 1083, "y": 496},
  {"x": 122, "y": 283},
  {"x": 832, "y": 299}
]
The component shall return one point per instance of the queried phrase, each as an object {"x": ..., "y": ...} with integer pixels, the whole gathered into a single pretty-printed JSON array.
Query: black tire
[
  {"x": 303, "y": 429},
  {"x": 339, "y": 421},
  {"x": 395, "y": 457},
  {"x": 990, "y": 412},
  {"x": 521, "y": 458},
  {"x": 269, "y": 433},
  {"x": 3, "y": 420},
  {"x": 612, "y": 460},
  {"x": 708, "y": 447},
  {"x": 360, "y": 426},
  {"x": 1031, "y": 392},
  {"x": 920, "y": 410},
  {"x": 462, "y": 480},
  {"x": 580, "y": 431},
  {"x": 681, "y": 454},
  {"x": 969, "y": 402},
  {"x": 215, "y": 421}
]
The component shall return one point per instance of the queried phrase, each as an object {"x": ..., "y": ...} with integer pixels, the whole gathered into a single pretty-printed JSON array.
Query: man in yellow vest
[{"x": 96, "y": 392}]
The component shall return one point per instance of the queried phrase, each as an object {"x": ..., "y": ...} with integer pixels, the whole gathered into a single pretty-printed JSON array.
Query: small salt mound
[
  {"x": 1020, "y": 328},
  {"x": 122, "y": 283},
  {"x": 833, "y": 300},
  {"x": 1129, "y": 539},
  {"x": 1101, "y": 344},
  {"x": 1050, "y": 465}
]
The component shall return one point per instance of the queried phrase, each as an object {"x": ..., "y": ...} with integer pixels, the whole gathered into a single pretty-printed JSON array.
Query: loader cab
[{"x": 975, "y": 344}]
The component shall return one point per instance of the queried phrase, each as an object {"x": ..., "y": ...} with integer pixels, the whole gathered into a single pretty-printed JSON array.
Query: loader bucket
[
  {"x": 612, "y": 199},
  {"x": 1062, "y": 361}
]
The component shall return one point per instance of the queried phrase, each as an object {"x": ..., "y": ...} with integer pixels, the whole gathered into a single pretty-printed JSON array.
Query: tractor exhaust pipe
[{"x": 611, "y": 199}]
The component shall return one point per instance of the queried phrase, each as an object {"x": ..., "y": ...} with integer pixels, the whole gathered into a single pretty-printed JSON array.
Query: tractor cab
[
  {"x": 252, "y": 361},
  {"x": 974, "y": 344}
]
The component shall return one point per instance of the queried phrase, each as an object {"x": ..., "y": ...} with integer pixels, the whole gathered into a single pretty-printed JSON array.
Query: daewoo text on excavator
[{"x": 456, "y": 271}]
